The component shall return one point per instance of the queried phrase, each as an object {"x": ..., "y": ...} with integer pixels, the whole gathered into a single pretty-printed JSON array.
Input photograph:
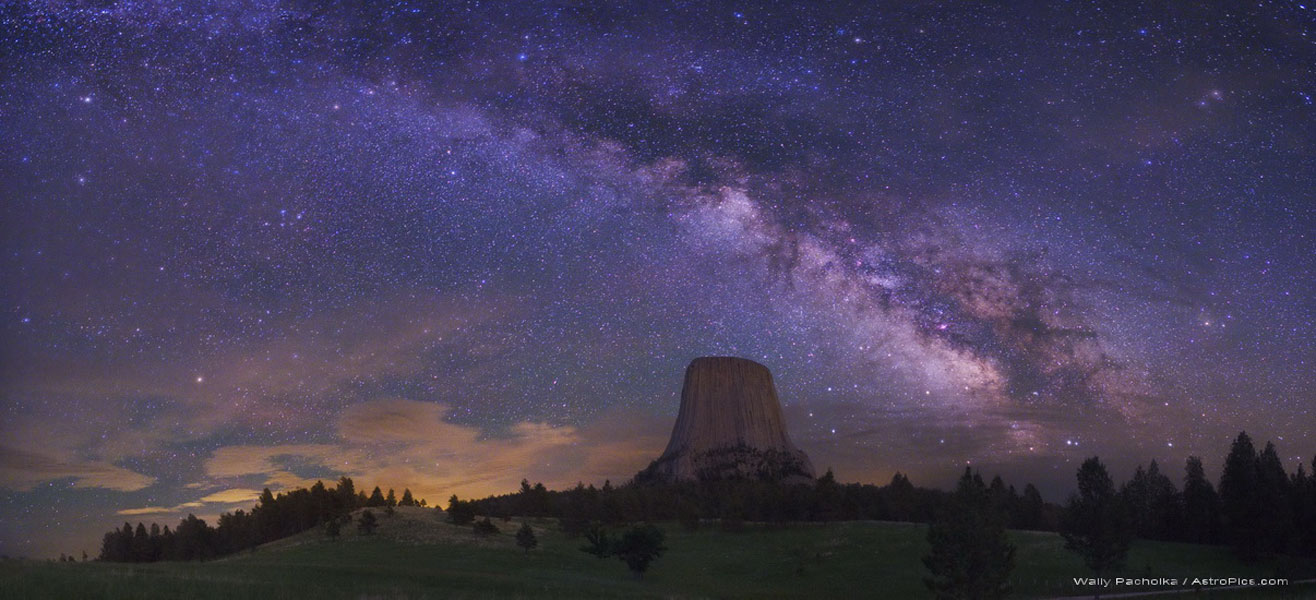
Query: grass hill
[{"x": 413, "y": 555}]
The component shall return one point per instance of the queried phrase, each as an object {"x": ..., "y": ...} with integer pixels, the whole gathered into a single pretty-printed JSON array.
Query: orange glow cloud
[
  {"x": 232, "y": 496},
  {"x": 409, "y": 444}
]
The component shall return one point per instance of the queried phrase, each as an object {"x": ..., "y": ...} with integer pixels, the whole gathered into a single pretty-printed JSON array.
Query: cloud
[
  {"x": 22, "y": 470},
  {"x": 232, "y": 496},
  {"x": 402, "y": 443},
  {"x": 57, "y": 407},
  {"x": 228, "y": 496},
  {"x": 402, "y": 421},
  {"x": 146, "y": 510},
  {"x": 237, "y": 461}
]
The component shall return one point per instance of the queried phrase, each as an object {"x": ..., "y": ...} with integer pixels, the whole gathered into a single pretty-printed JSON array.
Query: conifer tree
[
  {"x": 267, "y": 517},
  {"x": 1095, "y": 524},
  {"x": 124, "y": 543},
  {"x": 600, "y": 543},
  {"x": 1303, "y": 495},
  {"x": 1153, "y": 503},
  {"x": 168, "y": 544},
  {"x": 485, "y": 527},
  {"x": 1240, "y": 501},
  {"x": 970, "y": 556},
  {"x": 1201, "y": 506},
  {"x": 367, "y": 523},
  {"x": 1275, "y": 525},
  {"x": 346, "y": 492},
  {"x": 827, "y": 498},
  {"x": 459, "y": 512},
  {"x": 1032, "y": 507},
  {"x": 141, "y": 544},
  {"x": 154, "y": 539},
  {"x": 639, "y": 547},
  {"x": 525, "y": 538}
]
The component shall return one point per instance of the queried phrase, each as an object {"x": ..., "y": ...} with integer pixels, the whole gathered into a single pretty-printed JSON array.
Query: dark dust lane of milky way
[{"x": 448, "y": 246}]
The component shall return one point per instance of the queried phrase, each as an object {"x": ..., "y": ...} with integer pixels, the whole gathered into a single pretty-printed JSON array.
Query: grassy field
[{"x": 415, "y": 556}]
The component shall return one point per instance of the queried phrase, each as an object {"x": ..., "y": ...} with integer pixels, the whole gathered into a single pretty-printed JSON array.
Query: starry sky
[{"x": 253, "y": 243}]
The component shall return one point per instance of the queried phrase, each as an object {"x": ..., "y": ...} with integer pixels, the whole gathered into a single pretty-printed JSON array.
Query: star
[{"x": 516, "y": 227}]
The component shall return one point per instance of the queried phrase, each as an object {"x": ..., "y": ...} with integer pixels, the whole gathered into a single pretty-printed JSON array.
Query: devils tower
[{"x": 729, "y": 427}]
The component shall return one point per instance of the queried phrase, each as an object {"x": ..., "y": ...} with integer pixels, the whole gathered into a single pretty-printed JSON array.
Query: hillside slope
[{"x": 415, "y": 555}]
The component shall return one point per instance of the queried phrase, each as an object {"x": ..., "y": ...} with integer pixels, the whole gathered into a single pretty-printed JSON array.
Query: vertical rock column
[{"x": 731, "y": 422}]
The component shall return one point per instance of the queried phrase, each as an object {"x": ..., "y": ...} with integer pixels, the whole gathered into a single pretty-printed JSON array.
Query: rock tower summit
[{"x": 730, "y": 426}]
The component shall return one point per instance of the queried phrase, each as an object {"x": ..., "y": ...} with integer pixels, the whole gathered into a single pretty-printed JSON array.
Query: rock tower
[{"x": 730, "y": 426}]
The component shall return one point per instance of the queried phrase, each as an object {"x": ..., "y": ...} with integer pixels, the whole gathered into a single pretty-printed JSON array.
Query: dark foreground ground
[{"x": 415, "y": 556}]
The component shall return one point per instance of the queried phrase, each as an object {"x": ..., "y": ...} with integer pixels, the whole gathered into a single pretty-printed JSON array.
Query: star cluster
[{"x": 250, "y": 244}]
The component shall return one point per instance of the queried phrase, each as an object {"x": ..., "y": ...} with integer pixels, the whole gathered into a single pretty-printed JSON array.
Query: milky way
[{"x": 252, "y": 244}]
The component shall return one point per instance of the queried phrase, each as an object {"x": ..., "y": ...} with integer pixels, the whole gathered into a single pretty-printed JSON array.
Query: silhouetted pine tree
[
  {"x": 485, "y": 527},
  {"x": 999, "y": 495},
  {"x": 459, "y": 512},
  {"x": 599, "y": 543},
  {"x": 1201, "y": 506},
  {"x": 194, "y": 540},
  {"x": 1303, "y": 493},
  {"x": 116, "y": 545},
  {"x": 970, "y": 556},
  {"x": 156, "y": 544},
  {"x": 899, "y": 497},
  {"x": 168, "y": 545},
  {"x": 828, "y": 500},
  {"x": 1308, "y": 511},
  {"x": 268, "y": 519},
  {"x": 346, "y": 495},
  {"x": 539, "y": 503},
  {"x": 392, "y": 499},
  {"x": 1240, "y": 499},
  {"x": 525, "y": 538},
  {"x": 1031, "y": 507},
  {"x": 321, "y": 503},
  {"x": 367, "y": 523},
  {"x": 1095, "y": 523},
  {"x": 639, "y": 547},
  {"x": 376, "y": 498},
  {"x": 406, "y": 500},
  {"x": 1276, "y": 524},
  {"x": 1153, "y": 503}
]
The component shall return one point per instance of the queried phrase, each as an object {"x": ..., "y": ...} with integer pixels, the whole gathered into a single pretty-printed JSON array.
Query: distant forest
[
  {"x": 275, "y": 517},
  {"x": 1257, "y": 508}
]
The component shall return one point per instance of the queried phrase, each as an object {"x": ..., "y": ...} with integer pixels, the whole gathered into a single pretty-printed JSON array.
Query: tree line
[
  {"x": 275, "y": 516},
  {"x": 1259, "y": 510},
  {"x": 733, "y": 502}
]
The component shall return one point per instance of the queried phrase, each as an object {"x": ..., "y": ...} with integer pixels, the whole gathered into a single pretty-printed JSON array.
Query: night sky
[{"x": 254, "y": 243}]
